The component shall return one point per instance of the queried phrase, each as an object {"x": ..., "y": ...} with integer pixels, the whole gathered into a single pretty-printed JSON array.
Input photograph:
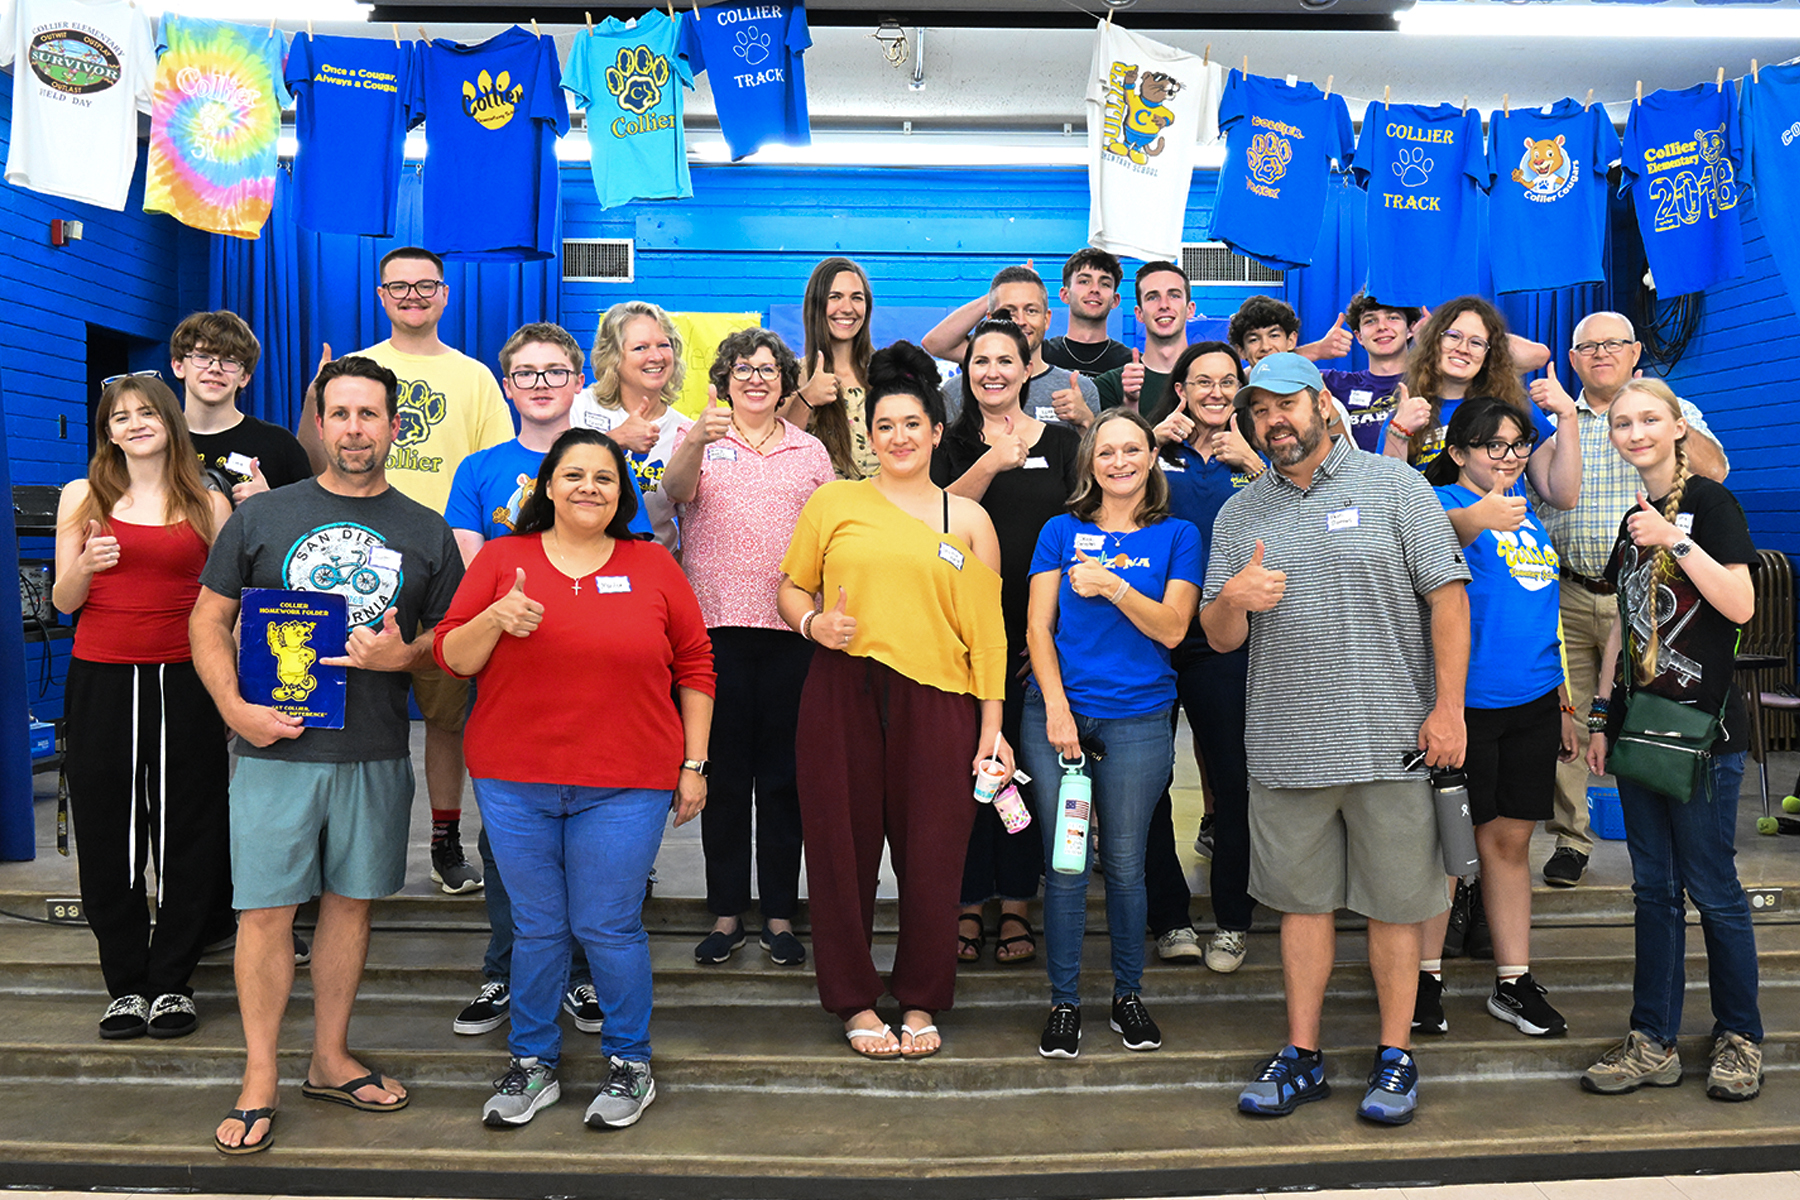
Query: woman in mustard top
[{"x": 898, "y": 584}]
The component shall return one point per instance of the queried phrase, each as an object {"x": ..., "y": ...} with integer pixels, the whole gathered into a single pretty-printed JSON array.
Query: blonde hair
[
  {"x": 1664, "y": 563},
  {"x": 609, "y": 348}
]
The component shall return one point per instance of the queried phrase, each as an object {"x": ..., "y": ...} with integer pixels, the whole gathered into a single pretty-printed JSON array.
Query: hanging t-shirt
[
  {"x": 1421, "y": 165},
  {"x": 1280, "y": 143},
  {"x": 629, "y": 79},
  {"x": 1547, "y": 195},
  {"x": 494, "y": 111},
  {"x": 1369, "y": 398},
  {"x": 213, "y": 123},
  {"x": 1771, "y": 117},
  {"x": 758, "y": 78},
  {"x": 1148, "y": 106},
  {"x": 74, "y": 111},
  {"x": 354, "y": 99},
  {"x": 1681, "y": 163},
  {"x": 648, "y": 466},
  {"x": 1515, "y": 653}
]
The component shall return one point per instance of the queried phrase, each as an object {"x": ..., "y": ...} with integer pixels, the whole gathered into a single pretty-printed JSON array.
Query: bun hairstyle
[{"x": 903, "y": 369}]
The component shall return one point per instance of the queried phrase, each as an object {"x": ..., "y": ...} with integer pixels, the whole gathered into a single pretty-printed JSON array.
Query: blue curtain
[
  {"x": 18, "y": 828},
  {"x": 301, "y": 290}
]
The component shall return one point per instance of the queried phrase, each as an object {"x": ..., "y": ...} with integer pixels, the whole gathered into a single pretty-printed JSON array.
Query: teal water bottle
[{"x": 1074, "y": 800}]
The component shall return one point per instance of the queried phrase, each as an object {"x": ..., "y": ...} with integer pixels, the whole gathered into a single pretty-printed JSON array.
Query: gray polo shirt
[{"x": 1341, "y": 671}]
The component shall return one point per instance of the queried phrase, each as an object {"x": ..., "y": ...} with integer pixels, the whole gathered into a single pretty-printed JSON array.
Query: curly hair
[
  {"x": 744, "y": 344},
  {"x": 1260, "y": 312},
  {"x": 1498, "y": 376},
  {"x": 609, "y": 348}
]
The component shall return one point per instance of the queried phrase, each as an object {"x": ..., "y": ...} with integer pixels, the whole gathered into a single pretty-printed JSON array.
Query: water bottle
[
  {"x": 1074, "y": 802},
  {"x": 1456, "y": 830}
]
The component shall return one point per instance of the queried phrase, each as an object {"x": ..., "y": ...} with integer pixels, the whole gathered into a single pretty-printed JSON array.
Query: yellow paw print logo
[
  {"x": 492, "y": 101},
  {"x": 637, "y": 79},
  {"x": 419, "y": 407},
  {"x": 1270, "y": 154}
]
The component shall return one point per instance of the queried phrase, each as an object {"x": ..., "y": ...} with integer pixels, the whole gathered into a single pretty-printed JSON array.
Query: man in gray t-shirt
[{"x": 322, "y": 812}]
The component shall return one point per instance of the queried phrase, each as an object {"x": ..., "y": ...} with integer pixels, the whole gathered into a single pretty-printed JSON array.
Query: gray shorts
[
  {"x": 300, "y": 828},
  {"x": 1369, "y": 847}
]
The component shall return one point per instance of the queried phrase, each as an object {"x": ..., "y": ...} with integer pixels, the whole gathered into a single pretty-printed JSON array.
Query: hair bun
[{"x": 903, "y": 366}]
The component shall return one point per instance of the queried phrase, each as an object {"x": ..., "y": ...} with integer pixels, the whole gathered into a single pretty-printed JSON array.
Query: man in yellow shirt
[{"x": 450, "y": 407}]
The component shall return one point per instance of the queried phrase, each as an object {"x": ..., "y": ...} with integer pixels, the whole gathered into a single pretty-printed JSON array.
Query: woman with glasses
[
  {"x": 1516, "y": 709},
  {"x": 146, "y": 748},
  {"x": 741, "y": 476}
]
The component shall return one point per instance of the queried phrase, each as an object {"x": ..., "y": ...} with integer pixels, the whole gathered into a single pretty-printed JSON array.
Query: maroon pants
[{"x": 882, "y": 756}]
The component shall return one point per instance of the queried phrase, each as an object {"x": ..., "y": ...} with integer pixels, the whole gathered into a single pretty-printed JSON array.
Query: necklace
[
  {"x": 767, "y": 437},
  {"x": 1069, "y": 344},
  {"x": 557, "y": 560}
]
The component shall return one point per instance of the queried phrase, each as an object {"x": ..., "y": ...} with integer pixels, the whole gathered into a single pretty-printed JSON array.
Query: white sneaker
[
  {"x": 1225, "y": 953},
  {"x": 1180, "y": 944}
]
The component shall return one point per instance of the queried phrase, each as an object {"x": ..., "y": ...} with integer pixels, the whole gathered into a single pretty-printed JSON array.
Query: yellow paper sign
[{"x": 701, "y": 334}]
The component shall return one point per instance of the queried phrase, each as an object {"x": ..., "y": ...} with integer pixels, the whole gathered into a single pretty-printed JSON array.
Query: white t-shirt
[
  {"x": 587, "y": 414},
  {"x": 82, "y": 71},
  {"x": 1149, "y": 105}
]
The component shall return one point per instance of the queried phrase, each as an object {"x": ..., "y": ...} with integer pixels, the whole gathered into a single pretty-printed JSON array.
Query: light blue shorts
[{"x": 301, "y": 828}]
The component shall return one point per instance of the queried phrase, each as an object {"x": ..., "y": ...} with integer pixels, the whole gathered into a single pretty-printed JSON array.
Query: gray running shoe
[
  {"x": 1638, "y": 1061},
  {"x": 624, "y": 1096},
  {"x": 1736, "y": 1072},
  {"x": 451, "y": 868},
  {"x": 527, "y": 1086}
]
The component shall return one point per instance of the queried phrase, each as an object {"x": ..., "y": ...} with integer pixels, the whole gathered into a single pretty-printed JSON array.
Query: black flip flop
[
  {"x": 345, "y": 1094},
  {"x": 248, "y": 1117},
  {"x": 968, "y": 949},
  {"x": 1002, "y": 943}
]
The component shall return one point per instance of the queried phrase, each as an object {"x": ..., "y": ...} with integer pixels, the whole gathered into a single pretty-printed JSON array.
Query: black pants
[
  {"x": 1007, "y": 865},
  {"x": 148, "y": 785},
  {"x": 756, "y": 714}
]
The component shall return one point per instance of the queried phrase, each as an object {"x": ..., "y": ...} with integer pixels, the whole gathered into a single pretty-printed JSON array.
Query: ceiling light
[{"x": 1464, "y": 19}]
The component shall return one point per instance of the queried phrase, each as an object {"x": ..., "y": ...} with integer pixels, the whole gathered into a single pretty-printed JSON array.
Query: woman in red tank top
[{"x": 146, "y": 749}]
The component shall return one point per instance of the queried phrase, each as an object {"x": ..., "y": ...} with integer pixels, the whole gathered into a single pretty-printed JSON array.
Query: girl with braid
[{"x": 1681, "y": 565}]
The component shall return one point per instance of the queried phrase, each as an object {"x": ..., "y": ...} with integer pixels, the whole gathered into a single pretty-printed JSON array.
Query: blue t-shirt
[
  {"x": 1279, "y": 147},
  {"x": 630, "y": 81},
  {"x": 1110, "y": 669},
  {"x": 491, "y": 485},
  {"x": 1682, "y": 160},
  {"x": 1433, "y": 443},
  {"x": 1421, "y": 166},
  {"x": 1198, "y": 489},
  {"x": 354, "y": 100},
  {"x": 1547, "y": 195},
  {"x": 1514, "y": 653},
  {"x": 758, "y": 79},
  {"x": 1770, "y": 114},
  {"x": 1369, "y": 399},
  {"x": 493, "y": 112}
]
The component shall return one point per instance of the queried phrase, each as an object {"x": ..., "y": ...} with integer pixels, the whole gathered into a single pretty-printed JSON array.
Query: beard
[{"x": 1305, "y": 442}]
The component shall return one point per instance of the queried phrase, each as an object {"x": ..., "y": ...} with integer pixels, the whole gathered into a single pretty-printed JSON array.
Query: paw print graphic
[
  {"x": 1270, "y": 154},
  {"x": 419, "y": 408},
  {"x": 752, "y": 46},
  {"x": 491, "y": 101},
  {"x": 637, "y": 78},
  {"x": 1413, "y": 168}
]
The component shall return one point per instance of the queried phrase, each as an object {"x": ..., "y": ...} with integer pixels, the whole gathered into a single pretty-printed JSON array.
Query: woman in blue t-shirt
[
  {"x": 1114, "y": 585},
  {"x": 1515, "y": 692}
]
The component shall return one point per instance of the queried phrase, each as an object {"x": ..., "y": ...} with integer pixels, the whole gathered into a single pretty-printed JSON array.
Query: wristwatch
[
  {"x": 1682, "y": 549},
  {"x": 698, "y": 766}
]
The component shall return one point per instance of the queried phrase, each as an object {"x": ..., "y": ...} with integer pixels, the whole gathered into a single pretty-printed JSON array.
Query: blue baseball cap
[{"x": 1281, "y": 374}]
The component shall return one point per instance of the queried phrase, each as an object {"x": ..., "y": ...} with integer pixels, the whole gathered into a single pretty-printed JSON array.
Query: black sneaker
[
  {"x": 488, "y": 1011},
  {"x": 783, "y": 949},
  {"x": 717, "y": 947},
  {"x": 1203, "y": 838},
  {"x": 302, "y": 951},
  {"x": 1131, "y": 1021},
  {"x": 1566, "y": 867},
  {"x": 126, "y": 1017},
  {"x": 1456, "y": 930},
  {"x": 451, "y": 869},
  {"x": 1428, "y": 1008},
  {"x": 581, "y": 1003},
  {"x": 1521, "y": 1002},
  {"x": 1062, "y": 1033}
]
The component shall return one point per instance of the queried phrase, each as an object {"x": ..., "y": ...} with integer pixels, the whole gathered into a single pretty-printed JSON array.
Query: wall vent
[
  {"x": 1214, "y": 264},
  {"x": 599, "y": 260}
]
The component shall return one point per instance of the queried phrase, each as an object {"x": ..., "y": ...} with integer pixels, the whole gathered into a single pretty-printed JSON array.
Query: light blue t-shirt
[
  {"x": 1547, "y": 195},
  {"x": 490, "y": 486},
  {"x": 1514, "y": 602},
  {"x": 1682, "y": 160},
  {"x": 630, "y": 81},
  {"x": 354, "y": 99},
  {"x": 758, "y": 78},
  {"x": 1110, "y": 669},
  {"x": 1421, "y": 165},
  {"x": 1280, "y": 144}
]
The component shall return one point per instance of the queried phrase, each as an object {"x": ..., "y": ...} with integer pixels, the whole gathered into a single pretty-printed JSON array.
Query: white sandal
[
  {"x": 915, "y": 1035},
  {"x": 884, "y": 1032}
]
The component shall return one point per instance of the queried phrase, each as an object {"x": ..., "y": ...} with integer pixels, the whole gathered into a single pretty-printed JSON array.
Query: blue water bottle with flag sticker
[{"x": 1074, "y": 803}]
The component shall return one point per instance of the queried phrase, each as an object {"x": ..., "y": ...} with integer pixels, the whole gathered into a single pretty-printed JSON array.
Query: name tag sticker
[
  {"x": 239, "y": 464},
  {"x": 1343, "y": 518},
  {"x": 951, "y": 555},
  {"x": 1090, "y": 541},
  {"x": 612, "y": 584},
  {"x": 385, "y": 558},
  {"x": 717, "y": 453},
  {"x": 1361, "y": 398},
  {"x": 1037, "y": 464},
  {"x": 1684, "y": 522},
  {"x": 594, "y": 420},
  {"x": 1173, "y": 466},
  {"x": 1044, "y": 412}
]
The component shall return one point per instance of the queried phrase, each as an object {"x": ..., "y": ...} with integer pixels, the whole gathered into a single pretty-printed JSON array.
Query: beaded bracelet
[
  {"x": 1601, "y": 704},
  {"x": 1596, "y": 722},
  {"x": 1570, "y": 709},
  {"x": 806, "y": 624}
]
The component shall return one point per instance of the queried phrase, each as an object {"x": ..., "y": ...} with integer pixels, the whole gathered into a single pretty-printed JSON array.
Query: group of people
[{"x": 815, "y": 614}]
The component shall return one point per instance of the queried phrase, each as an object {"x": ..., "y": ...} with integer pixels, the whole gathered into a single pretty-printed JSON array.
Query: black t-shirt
[
  {"x": 282, "y": 460},
  {"x": 1696, "y": 644},
  {"x": 1090, "y": 358}
]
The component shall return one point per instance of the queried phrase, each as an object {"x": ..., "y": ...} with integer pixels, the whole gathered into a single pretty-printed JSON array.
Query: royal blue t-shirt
[
  {"x": 353, "y": 103},
  {"x": 1433, "y": 443},
  {"x": 1421, "y": 165},
  {"x": 1198, "y": 489},
  {"x": 1280, "y": 145},
  {"x": 493, "y": 111},
  {"x": 630, "y": 81},
  {"x": 1369, "y": 398},
  {"x": 490, "y": 486},
  {"x": 1547, "y": 195},
  {"x": 1682, "y": 162},
  {"x": 1514, "y": 652},
  {"x": 1771, "y": 127},
  {"x": 1110, "y": 669},
  {"x": 758, "y": 78}
]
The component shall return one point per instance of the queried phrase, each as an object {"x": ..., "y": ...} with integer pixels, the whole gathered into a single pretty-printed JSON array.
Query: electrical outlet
[
  {"x": 1764, "y": 899},
  {"x": 65, "y": 910}
]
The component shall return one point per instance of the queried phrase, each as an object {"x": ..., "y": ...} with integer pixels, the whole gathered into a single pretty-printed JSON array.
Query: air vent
[
  {"x": 600, "y": 260},
  {"x": 1213, "y": 264}
]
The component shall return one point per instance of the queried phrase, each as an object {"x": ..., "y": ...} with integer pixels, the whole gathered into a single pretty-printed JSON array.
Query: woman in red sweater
[
  {"x": 577, "y": 631},
  {"x": 146, "y": 748}
]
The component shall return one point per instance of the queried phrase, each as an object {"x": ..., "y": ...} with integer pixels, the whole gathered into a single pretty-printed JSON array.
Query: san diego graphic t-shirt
[
  {"x": 1515, "y": 653},
  {"x": 758, "y": 79},
  {"x": 1682, "y": 158},
  {"x": 82, "y": 72},
  {"x": 1280, "y": 144},
  {"x": 1547, "y": 195},
  {"x": 629, "y": 79},
  {"x": 354, "y": 99},
  {"x": 1421, "y": 165}
]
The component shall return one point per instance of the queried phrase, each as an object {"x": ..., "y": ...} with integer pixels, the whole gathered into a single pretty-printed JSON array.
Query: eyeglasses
[
  {"x": 1456, "y": 337},
  {"x": 1224, "y": 387},
  {"x": 207, "y": 362},
  {"x": 112, "y": 379},
  {"x": 555, "y": 377},
  {"x": 1498, "y": 450},
  {"x": 424, "y": 289},
  {"x": 744, "y": 372},
  {"x": 1609, "y": 346}
]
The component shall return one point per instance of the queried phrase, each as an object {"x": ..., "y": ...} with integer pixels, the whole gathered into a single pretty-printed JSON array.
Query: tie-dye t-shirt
[{"x": 213, "y": 122}]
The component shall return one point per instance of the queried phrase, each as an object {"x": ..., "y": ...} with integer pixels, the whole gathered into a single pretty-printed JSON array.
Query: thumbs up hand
[
  {"x": 715, "y": 419},
  {"x": 821, "y": 386},
  {"x": 1548, "y": 394},
  {"x": 100, "y": 552},
  {"x": 1499, "y": 511},
  {"x": 241, "y": 492},
  {"x": 1335, "y": 344},
  {"x": 1070, "y": 405},
  {"x": 637, "y": 432},
  {"x": 835, "y": 627},
  {"x": 1175, "y": 428},
  {"x": 1131, "y": 377},
  {"x": 1255, "y": 588},
  {"x": 1007, "y": 450},
  {"x": 515, "y": 612},
  {"x": 1089, "y": 578},
  {"x": 1649, "y": 528},
  {"x": 1410, "y": 412}
]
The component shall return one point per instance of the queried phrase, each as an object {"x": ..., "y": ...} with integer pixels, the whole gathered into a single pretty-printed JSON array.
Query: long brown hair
[
  {"x": 1498, "y": 377},
  {"x": 1085, "y": 503},
  {"x": 1664, "y": 564},
  {"x": 109, "y": 478},
  {"x": 831, "y": 422}
]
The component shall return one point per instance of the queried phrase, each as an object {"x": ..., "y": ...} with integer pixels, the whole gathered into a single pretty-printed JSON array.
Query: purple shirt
[{"x": 1369, "y": 398}]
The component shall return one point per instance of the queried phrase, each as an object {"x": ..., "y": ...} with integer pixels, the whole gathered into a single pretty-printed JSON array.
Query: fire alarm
[{"x": 63, "y": 232}]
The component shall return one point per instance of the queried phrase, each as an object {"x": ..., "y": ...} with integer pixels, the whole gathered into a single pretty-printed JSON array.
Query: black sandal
[
  {"x": 1001, "y": 943},
  {"x": 968, "y": 949}
]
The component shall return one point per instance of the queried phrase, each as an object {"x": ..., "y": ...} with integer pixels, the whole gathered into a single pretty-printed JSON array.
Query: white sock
[
  {"x": 1509, "y": 974},
  {"x": 1433, "y": 967}
]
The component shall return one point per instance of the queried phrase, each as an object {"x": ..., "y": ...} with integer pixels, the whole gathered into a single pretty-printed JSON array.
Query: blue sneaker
[
  {"x": 1393, "y": 1088},
  {"x": 1283, "y": 1083}
]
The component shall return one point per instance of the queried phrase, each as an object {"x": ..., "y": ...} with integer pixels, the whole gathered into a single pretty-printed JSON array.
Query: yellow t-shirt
[
  {"x": 450, "y": 407},
  {"x": 923, "y": 603}
]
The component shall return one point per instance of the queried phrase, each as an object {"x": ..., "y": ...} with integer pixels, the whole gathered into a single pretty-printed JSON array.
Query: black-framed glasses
[
  {"x": 424, "y": 289},
  {"x": 207, "y": 362},
  {"x": 1498, "y": 450},
  {"x": 112, "y": 379},
  {"x": 1456, "y": 337},
  {"x": 744, "y": 372},
  {"x": 1609, "y": 346},
  {"x": 555, "y": 377}
]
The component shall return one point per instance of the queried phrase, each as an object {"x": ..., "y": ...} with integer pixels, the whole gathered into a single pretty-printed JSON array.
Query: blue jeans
[
  {"x": 496, "y": 963},
  {"x": 1691, "y": 847},
  {"x": 1140, "y": 759},
  {"x": 576, "y": 860}
]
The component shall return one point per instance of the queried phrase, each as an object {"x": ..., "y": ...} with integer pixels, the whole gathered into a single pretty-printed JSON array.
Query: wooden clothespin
[
  {"x": 309, "y": 31},
  {"x": 396, "y": 33},
  {"x": 1754, "y": 77},
  {"x": 1387, "y": 96},
  {"x": 1205, "y": 59},
  {"x": 1505, "y": 104},
  {"x": 1329, "y": 80},
  {"x": 1109, "y": 13},
  {"x": 1640, "y": 91},
  {"x": 1465, "y": 104},
  {"x": 1589, "y": 102},
  {"x": 1720, "y": 83},
  {"x": 672, "y": 10},
  {"x": 590, "y": 21},
  {"x": 534, "y": 28},
  {"x": 271, "y": 26},
  {"x": 1246, "y": 66},
  {"x": 423, "y": 34}
]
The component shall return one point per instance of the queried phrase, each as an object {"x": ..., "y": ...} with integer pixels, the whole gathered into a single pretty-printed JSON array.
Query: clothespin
[
  {"x": 534, "y": 28},
  {"x": 1109, "y": 13},
  {"x": 1640, "y": 92},
  {"x": 1387, "y": 96},
  {"x": 423, "y": 34},
  {"x": 1505, "y": 104},
  {"x": 1720, "y": 84},
  {"x": 1205, "y": 59},
  {"x": 396, "y": 33},
  {"x": 671, "y": 10},
  {"x": 1329, "y": 80},
  {"x": 1754, "y": 77},
  {"x": 590, "y": 21},
  {"x": 309, "y": 31},
  {"x": 271, "y": 26},
  {"x": 1465, "y": 104},
  {"x": 1246, "y": 66},
  {"x": 1589, "y": 102}
]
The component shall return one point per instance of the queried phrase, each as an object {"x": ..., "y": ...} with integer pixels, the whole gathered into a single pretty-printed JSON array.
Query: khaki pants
[{"x": 1587, "y": 619}]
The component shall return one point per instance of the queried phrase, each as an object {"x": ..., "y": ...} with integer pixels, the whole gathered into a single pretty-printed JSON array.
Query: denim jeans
[
  {"x": 496, "y": 964},
  {"x": 576, "y": 860},
  {"x": 1691, "y": 847},
  {"x": 1140, "y": 759}
]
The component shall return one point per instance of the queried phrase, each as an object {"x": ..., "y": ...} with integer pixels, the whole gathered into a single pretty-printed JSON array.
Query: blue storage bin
[
  {"x": 43, "y": 739},
  {"x": 1605, "y": 817}
]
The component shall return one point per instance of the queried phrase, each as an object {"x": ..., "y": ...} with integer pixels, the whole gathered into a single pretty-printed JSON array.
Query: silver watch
[{"x": 1682, "y": 549}]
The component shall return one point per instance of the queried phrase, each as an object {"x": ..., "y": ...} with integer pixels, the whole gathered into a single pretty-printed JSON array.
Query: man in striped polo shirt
[{"x": 1341, "y": 570}]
